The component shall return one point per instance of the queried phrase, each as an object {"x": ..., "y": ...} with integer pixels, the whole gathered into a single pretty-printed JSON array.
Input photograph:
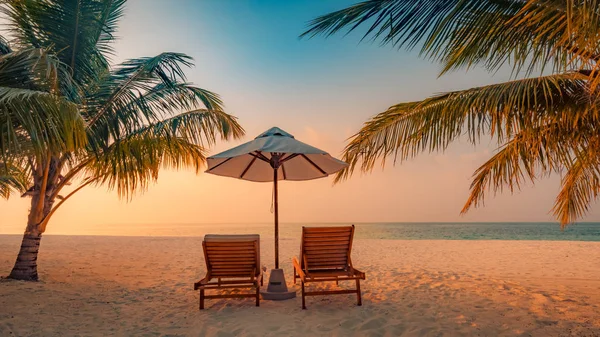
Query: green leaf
[{"x": 14, "y": 177}]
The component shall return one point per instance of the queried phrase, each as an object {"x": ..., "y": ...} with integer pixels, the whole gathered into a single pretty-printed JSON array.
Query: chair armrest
[
  {"x": 299, "y": 269},
  {"x": 201, "y": 282},
  {"x": 358, "y": 273}
]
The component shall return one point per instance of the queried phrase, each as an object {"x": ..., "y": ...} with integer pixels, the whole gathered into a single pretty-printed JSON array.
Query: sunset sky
[{"x": 320, "y": 90}]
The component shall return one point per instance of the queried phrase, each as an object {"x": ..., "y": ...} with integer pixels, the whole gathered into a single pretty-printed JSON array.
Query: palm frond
[
  {"x": 4, "y": 46},
  {"x": 580, "y": 185},
  {"x": 33, "y": 115},
  {"x": 55, "y": 124},
  {"x": 36, "y": 69},
  {"x": 532, "y": 153},
  {"x": 168, "y": 99},
  {"x": 14, "y": 177},
  {"x": 110, "y": 12},
  {"x": 152, "y": 106},
  {"x": 201, "y": 127},
  {"x": 460, "y": 33},
  {"x": 503, "y": 110},
  {"x": 134, "y": 78},
  {"x": 76, "y": 30},
  {"x": 131, "y": 164}
]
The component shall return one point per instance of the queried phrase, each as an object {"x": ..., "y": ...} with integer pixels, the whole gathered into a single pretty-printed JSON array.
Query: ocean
[{"x": 387, "y": 231}]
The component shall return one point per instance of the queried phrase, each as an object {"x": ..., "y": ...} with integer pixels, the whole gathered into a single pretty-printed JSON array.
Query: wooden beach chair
[
  {"x": 232, "y": 262},
  {"x": 325, "y": 256}
]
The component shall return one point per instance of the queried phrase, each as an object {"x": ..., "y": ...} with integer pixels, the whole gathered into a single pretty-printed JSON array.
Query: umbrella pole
[
  {"x": 276, "y": 218},
  {"x": 277, "y": 288}
]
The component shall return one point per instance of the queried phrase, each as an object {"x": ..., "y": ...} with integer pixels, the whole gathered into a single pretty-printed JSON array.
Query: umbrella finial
[{"x": 275, "y": 131}]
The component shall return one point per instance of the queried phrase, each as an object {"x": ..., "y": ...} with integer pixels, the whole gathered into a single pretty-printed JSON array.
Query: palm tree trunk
[{"x": 25, "y": 267}]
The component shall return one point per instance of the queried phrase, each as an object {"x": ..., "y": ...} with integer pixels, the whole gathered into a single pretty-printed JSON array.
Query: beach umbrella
[{"x": 272, "y": 156}]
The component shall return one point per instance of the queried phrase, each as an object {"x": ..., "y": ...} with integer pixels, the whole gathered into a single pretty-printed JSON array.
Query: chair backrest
[
  {"x": 326, "y": 247},
  {"x": 232, "y": 255}
]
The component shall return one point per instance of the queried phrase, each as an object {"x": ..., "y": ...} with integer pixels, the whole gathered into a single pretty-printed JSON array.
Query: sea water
[{"x": 387, "y": 231}]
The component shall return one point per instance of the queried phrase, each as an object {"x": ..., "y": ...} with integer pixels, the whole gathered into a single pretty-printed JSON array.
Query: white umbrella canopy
[
  {"x": 274, "y": 155},
  {"x": 274, "y": 149}
]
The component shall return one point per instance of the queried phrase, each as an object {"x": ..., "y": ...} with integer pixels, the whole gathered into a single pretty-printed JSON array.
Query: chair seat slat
[
  {"x": 230, "y": 254},
  {"x": 230, "y": 249},
  {"x": 327, "y": 244},
  {"x": 321, "y": 249},
  {"x": 328, "y": 262},
  {"x": 345, "y": 229},
  {"x": 321, "y": 254},
  {"x": 335, "y": 239},
  {"x": 233, "y": 263},
  {"x": 231, "y": 259}
]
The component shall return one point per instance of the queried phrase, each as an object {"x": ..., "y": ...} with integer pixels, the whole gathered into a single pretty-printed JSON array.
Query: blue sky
[
  {"x": 250, "y": 53},
  {"x": 321, "y": 90}
]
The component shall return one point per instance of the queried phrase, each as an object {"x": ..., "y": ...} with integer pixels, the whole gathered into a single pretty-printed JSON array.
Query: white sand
[{"x": 143, "y": 286}]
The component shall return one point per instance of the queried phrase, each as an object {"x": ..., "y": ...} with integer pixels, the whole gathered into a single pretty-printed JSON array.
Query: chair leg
[
  {"x": 295, "y": 277},
  {"x": 261, "y": 279},
  {"x": 358, "y": 292},
  {"x": 201, "y": 298},
  {"x": 303, "y": 297},
  {"x": 257, "y": 295}
]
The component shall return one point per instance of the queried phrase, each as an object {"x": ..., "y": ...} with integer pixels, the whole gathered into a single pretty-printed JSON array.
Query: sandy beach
[
  {"x": 92, "y": 286},
  {"x": 143, "y": 286}
]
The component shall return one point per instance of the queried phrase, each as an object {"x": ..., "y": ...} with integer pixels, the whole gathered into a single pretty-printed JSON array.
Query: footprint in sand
[
  {"x": 273, "y": 328},
  {"x": 436, "y": 285},
  {"x": 349, "y": 323},
  {"x": 373, "y": 324},
  {"x": 540, "y": 298},
  {"x": 398, "y": 329},
  {"x": 546, "y": 322},
  {"x": 324, "y": 327}
]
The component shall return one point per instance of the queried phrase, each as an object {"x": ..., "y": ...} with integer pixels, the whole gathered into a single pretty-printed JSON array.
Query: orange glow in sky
[{"x": 319, "y": 90}]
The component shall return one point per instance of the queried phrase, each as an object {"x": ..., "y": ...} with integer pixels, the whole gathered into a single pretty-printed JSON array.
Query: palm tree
[
  {"x": 67, "y": 116},
  {"x": 546, "y": 124}
]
